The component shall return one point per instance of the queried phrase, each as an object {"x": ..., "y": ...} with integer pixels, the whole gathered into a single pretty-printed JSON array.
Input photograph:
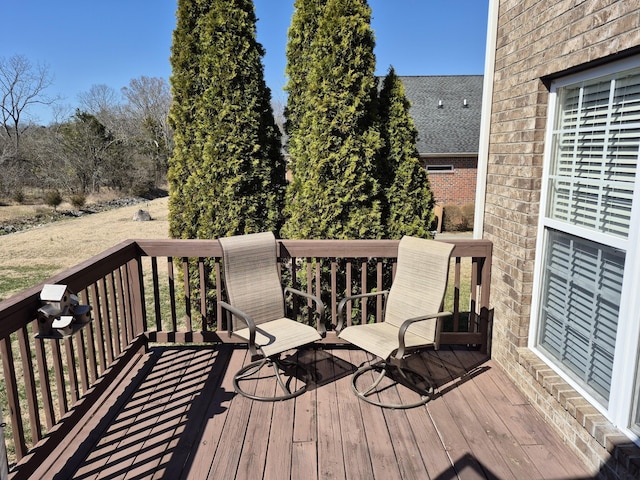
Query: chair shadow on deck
[
  {"x": 325, "y": 368},
  {"x": 442, "y": 373},
  {"x": 446, "y": 373},
  {"x": 444, "y": 370}
]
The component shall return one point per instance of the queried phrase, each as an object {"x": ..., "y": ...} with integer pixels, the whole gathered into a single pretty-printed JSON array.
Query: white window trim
[{"x": 625, "y": 365}]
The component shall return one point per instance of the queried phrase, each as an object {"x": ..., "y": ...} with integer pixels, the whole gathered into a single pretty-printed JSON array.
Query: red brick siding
[{"x": 456, "y": 187}]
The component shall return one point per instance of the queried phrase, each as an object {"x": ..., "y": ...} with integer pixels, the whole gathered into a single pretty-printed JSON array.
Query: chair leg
[
  {"x": 280, "y": 366},
  {"x": 400, "y": 374}
]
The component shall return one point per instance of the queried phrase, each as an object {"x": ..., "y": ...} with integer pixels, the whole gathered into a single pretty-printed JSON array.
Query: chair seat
[
  {"x": 277, "y": 336},
  {"x": 381, "y": 339}
]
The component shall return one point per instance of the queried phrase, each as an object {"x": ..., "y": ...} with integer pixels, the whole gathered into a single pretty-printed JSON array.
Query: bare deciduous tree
[
  {"x": 149, "y": 98},
  {"x": 99, "y": 98},
  {"x": 104, "y": 103},
  {"x": 148, "y": 102},
  {"x": 21, "y": 86}
]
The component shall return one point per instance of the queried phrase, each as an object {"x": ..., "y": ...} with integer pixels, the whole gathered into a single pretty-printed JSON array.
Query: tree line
[
  {"x": 351, "y": 143},
  {"x": 118, "y": 140},
  {"x": 350, "y": 149}
]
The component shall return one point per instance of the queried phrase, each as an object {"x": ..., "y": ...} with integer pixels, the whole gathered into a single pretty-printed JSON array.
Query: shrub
[
  {"x": 335, "y": 141},
  {"x": 141, "y": 188},
  {"x": 53, "y": 198},
  {"x": 409, "y": 202},
  {"x": 458, "y": 219},
  {"x": 452, "y": 219},
  {"x": 78, "y": 200},
  {"x": 18, "y": 196},
  {"x": 468, "y": 214}
]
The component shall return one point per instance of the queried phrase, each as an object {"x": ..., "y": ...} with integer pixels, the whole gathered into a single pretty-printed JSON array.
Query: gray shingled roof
[{"x": 452, "y": 128}]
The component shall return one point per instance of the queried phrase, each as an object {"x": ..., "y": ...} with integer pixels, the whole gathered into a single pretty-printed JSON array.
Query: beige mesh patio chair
[
  {"x": 412, "y": 319},
  {"x": 257, "y": 309}
]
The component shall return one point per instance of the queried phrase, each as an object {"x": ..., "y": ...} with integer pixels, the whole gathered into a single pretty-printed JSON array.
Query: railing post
[
  {"x": 486, "y": 310},
  {"x": 139, "y": 311},
  {"x": 13, "y": 398},
  {"x": 486, "y": 319}
]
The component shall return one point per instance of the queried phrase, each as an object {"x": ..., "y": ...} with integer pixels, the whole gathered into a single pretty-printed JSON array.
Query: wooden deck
[{"x": 175, "y": 415}]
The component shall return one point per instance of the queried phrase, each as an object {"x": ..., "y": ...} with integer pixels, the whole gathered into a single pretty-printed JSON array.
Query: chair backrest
[
  {"x": 420, "y": 283},
  {"x": 251, "y": 276}
]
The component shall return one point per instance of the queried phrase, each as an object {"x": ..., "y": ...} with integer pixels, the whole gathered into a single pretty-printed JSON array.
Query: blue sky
[{"x": 87, "y": 42}]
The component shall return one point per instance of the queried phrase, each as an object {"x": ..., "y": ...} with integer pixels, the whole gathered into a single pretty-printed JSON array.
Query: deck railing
[{"x": 139, "y": 294}]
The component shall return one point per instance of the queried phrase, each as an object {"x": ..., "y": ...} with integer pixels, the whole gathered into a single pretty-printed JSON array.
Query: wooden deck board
[
  {"x": 157, "y": 447},
  {"x": 254, "y": 447},
  {"x": 378, "y": 439},
  {"x": 463, "y": 464},
  {"x": 233, "y": 436},
  {"x": 278, "y": 463},
  {"x": 304, "y": 426},
  {"x": 464, "y": 413},
  {"x": 354, "y": 444},
  {"x": 498, "y": 433},
  {"x": 304, "y": 462},
  {"x": 330, "y": 456},
  {"x": 119, "y": 448},
  {"x": 428, "y": 442},
  {"x": 184, "y": 421},
  {"x": 82, "y": 439},
  {"x": 181, "y": 443},
  {"x": 205, "y": 405},
  {"x": 401, "y": 435},
  {"x": 212, "y": 423}
]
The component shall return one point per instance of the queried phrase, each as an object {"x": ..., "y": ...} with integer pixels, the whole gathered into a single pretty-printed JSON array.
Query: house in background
[
  {"x": 559, "y": 197},
  {"x": 446, "y": 111}
]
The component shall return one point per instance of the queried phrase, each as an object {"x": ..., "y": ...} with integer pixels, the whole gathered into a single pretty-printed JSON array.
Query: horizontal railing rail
[
  {"x": 187, "y": 311},
  {"x": 167, "y": 291}
]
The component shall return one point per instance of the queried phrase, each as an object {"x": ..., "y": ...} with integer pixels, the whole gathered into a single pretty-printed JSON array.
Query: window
[
  {"x": 579, "y": 311},
  {"x": 439, "y": 168},
  {"x": 587, "y": 276}
]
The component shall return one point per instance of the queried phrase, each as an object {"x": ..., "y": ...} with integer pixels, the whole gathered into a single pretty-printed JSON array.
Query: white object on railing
[{"x": 61, "y": 313}]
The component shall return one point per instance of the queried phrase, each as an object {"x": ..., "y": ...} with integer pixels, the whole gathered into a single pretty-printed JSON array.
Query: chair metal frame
[
  {"x": 400, "y": 341},
  {"x": 261, "y": 333}
]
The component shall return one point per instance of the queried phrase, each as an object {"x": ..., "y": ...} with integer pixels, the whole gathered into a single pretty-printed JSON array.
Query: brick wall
[
  {"x": 537, "y": 38},
  {"x": 457, "y": 186}
]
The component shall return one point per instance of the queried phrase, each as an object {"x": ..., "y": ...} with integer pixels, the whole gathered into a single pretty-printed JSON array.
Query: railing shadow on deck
[
  {"x": 176, "y": 417},
  {"x": 138, "y": 294}
]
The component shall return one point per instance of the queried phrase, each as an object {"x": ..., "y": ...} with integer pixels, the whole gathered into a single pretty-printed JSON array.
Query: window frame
[
  {"x": 440, "y": 168},
  {"x": 625, "y": 381}
]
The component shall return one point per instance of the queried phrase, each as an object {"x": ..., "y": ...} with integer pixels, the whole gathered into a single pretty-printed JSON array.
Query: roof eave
[{"x": 447, "y": 154}]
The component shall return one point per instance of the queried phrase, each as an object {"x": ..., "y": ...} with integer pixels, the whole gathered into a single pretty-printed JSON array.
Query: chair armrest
[
  {"x": 322, "y": 330},
  {"x": 351, "y": 298},
  {"x": 247, "y": 319},
  {"x": 407, "y": 323}
]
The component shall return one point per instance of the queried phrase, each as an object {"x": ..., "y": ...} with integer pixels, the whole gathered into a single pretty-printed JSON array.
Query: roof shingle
[{"x": 452, "y": 128}]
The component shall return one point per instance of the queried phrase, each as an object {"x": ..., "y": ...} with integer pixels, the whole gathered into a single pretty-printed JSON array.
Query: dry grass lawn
[
  {"x": 31, "y": 256},
  {"x": 7, "y": 212}
]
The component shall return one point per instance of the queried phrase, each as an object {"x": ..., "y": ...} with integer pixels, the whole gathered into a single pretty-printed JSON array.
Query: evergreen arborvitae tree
[
  {"x": 185, "y": 89},
  {"x": 227, "y": 173},
  {"x": 336, "y": 139},
  {"x": 304, "y": 24},
  {"x": 409, "y": 205}
]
